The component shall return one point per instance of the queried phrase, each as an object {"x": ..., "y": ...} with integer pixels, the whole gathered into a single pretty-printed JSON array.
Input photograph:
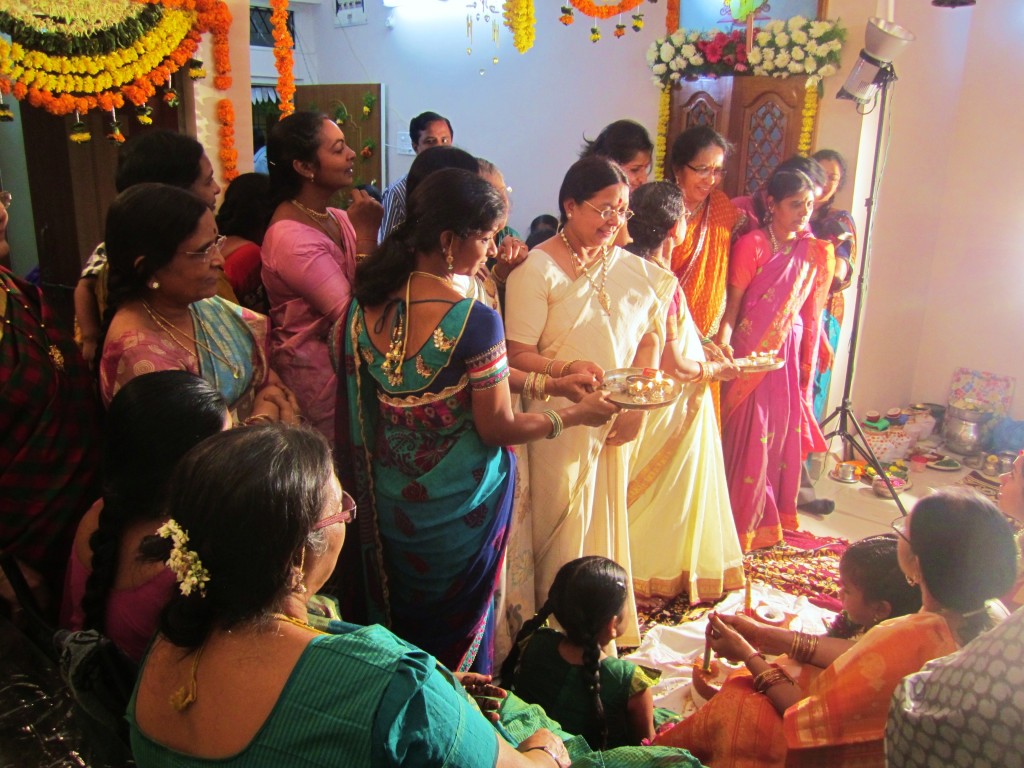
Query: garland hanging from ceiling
[{"x": 72, "y": 57}]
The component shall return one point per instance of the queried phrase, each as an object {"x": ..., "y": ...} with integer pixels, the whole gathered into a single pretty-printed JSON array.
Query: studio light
[{"x": 883, "y": 41}]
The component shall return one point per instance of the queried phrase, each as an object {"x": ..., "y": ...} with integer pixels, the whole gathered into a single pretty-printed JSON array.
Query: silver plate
[{"x": 617, "y": 384}]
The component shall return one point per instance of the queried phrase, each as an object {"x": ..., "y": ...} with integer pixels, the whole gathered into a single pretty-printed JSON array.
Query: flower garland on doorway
[
  {"x": 810, "y": 112},
  {"x": 228, "y": 154},
  {"x": 665, "y": 99},
  {"x": 70, "y": 58},
  {"x": 283, "y": 59}
]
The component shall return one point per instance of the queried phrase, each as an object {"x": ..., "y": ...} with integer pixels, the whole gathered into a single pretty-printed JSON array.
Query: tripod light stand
[{"x": 873, "y": 72}]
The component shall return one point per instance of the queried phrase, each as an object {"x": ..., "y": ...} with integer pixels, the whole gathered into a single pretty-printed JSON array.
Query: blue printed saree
[{"x": 438, "y": 500}]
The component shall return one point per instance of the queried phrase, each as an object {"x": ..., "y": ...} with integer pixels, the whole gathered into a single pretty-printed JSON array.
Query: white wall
[
  {"x": 946, "y": 277},
  {"x": 527, "y": 113}
]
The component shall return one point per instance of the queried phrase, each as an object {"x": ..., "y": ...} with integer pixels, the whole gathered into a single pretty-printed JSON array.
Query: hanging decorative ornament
[
  {"x": 79, "y": 131},
  {"x": 521, "y": 20},
  {"x": 595, "y": 33},
  {"x": 369, "y": 147},
  {"x": 114, "y": 135},
  {"x": 567, "y": 18},
  {"x": 369, "y": 100},
  {"x": 144, "y": 114},
  {"x": 196, "y": 70},
  {"x": 284, "y": 61},
  {"x": 620, "y": 30},
  {"x": 171, "y": 98},
  {"x": 6, "y": 115},
  {"x": 638, "y": 22}
]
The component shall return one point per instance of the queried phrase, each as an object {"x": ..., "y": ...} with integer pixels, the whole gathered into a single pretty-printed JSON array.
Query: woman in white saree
[
  {"x": 681, "y": 529},
  {"x": 579, "y": 304}
]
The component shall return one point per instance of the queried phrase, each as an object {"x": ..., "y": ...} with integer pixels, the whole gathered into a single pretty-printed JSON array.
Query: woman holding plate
[
  {"x": 779, "y": 278},
  {"x": 581, "y": 304}
]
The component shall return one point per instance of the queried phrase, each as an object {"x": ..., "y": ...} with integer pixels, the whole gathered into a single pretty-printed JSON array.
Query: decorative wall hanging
[{"x": 603, "y": 11}]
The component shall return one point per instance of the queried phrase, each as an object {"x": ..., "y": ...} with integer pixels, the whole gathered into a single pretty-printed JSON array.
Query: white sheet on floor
[{"x": 673, "y": 650}]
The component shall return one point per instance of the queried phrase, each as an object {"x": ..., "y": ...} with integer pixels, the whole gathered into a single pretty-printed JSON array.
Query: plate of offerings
[
  {"x": 759, "y": 362},
  {"x": 641, "y": 388}
]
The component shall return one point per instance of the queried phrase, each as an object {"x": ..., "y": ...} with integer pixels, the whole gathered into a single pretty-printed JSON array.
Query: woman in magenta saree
[{"x": 778, "y": 280}]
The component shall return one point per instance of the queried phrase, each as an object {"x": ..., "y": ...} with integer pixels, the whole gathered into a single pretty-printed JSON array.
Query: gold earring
[
  {"x": 911, "y": 581},
  {"x": 300, "y": 577},
  {"x": 154, "y": 285},
  {"x": 449, "y": 260}
]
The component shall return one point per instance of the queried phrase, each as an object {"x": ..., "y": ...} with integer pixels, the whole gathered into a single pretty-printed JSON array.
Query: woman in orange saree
[{"x": 763, "y": 717}]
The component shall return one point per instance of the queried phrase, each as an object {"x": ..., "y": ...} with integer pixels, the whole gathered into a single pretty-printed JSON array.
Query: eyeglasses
[
  {"x": 707, "y": 171},
  {"x": 901, "y": 526},
  {"x": 609, "y": 213},
  {"x": 212, "y": 248},
  {"x": 6, "y": 198},
  {"x": 346, "y": 514}
]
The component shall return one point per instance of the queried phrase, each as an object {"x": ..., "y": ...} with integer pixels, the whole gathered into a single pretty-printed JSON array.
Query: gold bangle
[
  {"x": 556, "y": 424},
  {"x": 361, "y": 256},
  {"x": 770, "y": 678},
  {"x": 549, "y": 366},
  {"x": 540, "y": 385},
  {"x": 258, "y": 418},
  {"x": 803, "y": 647},
  {"x": 530, "y": 387},
  {"x": 754, "y": 655},
  {"x": 566, "y": 367}
]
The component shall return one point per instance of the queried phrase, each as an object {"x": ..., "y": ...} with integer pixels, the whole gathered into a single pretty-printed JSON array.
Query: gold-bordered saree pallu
[{"x": 438, "y": 500}]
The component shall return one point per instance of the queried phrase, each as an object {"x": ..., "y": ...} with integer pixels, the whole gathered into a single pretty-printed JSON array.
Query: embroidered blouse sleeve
[{"x": 482, "y": 348}]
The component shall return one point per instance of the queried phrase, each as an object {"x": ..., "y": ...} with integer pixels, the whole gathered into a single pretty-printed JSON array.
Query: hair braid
[
  {"x": 510, "y": 667},
  {"x": 592, "y": 668},
  {"x": 105, "y": 544}
]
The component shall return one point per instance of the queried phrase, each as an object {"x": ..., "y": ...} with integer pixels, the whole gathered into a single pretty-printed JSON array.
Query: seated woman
[
  {"x": 958, "y": 547},
  {"x": 152, "y": 422},
  {"x": 431, "y": 419},
  {"x": 237, "y": 676},
  {"x": 163, "y": 312}
]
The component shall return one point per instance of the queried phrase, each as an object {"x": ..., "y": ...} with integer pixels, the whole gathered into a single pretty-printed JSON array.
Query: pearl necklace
[{"x": 579, "y": 267}]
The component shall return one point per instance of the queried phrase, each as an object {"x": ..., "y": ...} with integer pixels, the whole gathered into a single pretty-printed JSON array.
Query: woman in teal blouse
[{"x": 238, "y": 677}]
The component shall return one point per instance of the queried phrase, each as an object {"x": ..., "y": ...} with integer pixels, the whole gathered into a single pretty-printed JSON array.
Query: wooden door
[{"x": 761, "y": 116}]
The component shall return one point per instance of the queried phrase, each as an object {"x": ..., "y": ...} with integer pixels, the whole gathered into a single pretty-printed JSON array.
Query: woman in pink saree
[{"x": 778, "y": 281}]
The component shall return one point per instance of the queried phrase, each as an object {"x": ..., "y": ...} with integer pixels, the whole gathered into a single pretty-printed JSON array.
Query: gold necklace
[
  {"x": 578, "y": 267},
  {"x": 323, "y": 218},
  {"x": 297, "y": 622},
  {"x": 170, "y": 329},
  {"x": 395, "y": 356},
  {"x": 432, "y": 276},
  {"x": 56, "y": 356}
]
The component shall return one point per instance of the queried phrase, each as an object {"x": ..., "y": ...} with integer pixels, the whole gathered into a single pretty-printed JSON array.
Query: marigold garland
[
  {"x": 671, "y": 16},
  {"x": 150, "y": 45},
  {"x": 228, "y": 154},
  {"x": 810, "y": 112},
  {"x": 661, "y": 141},
  {"x": 595, "y": 11},
  {"x": 521, "y": 18},
  {"x": 283, "y": 59}
]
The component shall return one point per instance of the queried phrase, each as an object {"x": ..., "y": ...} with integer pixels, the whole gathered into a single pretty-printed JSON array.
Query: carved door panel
[{"x": 761, "y": 116}]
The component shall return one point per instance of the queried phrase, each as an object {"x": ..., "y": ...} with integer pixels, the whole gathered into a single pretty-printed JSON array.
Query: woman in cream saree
[{"x": 599, "y": 320}]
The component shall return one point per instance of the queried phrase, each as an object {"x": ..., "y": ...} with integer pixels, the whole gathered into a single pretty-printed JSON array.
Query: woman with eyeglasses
[
  {"x": 310, "y": 252},
  {"x": 779, "y": 276},
  {"x": 958, "y": 547},
  {"x": 701, "y": 261},
  {"x": 237, "y": 676},
  {"x": 580, "y": 304},
  {"x": 163, "y": 312}
]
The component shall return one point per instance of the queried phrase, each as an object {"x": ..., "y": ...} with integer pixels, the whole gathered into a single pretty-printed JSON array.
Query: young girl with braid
[
  {"x": 607, "y": 700},
  {"x": 152, "y": 422}
]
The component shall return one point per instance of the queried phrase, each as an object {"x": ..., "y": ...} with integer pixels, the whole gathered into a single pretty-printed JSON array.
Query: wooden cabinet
[{"x": 761, "y": 116}]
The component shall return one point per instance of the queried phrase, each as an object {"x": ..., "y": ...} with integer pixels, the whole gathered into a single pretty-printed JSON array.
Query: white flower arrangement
[
  {"x": 184, "y": 562},
  {"x": 781, "y": 48}
]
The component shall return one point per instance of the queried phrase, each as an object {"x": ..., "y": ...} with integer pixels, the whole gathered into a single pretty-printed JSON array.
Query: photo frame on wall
[{"x": 712, "y": 14}]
